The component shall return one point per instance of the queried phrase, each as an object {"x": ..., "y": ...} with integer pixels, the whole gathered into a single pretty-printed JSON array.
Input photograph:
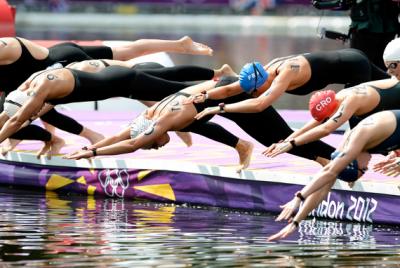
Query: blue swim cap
[
  {"x": 252, "y": 76},
  {"x": 350, "y": 173}
]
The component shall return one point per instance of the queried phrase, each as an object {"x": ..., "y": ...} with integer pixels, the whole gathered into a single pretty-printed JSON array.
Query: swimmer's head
[
  {"x": 323, "y": 104},
  {"x": 252, "y": 76},
  {"x": 14, "y": 101},
  {"x": 142, "y": 125},
  {"x": 56, "y": 65},
  {"x": 391, "y": 57},
  {"x": 392, "y": 51}
]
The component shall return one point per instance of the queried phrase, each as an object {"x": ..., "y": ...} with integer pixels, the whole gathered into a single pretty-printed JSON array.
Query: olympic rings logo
[{"x": 114, "y": 182}]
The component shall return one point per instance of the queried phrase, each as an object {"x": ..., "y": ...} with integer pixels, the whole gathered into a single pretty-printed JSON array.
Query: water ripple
[{"x": 51, "y": 230}]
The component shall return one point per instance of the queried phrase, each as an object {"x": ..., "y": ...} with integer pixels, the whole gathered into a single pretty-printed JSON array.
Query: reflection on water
[
  {"x": 234, "y": 49},
  {"x": 49, "y": 229}
]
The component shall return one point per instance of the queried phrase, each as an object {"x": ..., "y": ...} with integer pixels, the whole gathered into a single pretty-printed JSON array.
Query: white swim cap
[
  {"x": 14, "y": 101},
  {"x": 392, "y": 51},
  {"x": 141, "y": 125},
  {"x": 56, "y": 65}
]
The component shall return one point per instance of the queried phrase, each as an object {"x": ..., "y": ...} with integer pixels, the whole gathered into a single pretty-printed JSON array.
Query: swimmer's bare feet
[
  {"x": 225, "y": 70},
  {"x": 8, "y": 145},
  {"x": 245, "y": 149},
  {"x": 186, "y": 137},
  {"x": 91, "y": 135},
  {"x": 52, "y": 147},
  {"x": 194, "y": 48}
]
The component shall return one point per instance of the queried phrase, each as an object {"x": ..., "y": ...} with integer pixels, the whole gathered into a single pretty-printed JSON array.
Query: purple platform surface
[
  {"x": 203, "y": 150},
  {"x": 201, "y": 174}
]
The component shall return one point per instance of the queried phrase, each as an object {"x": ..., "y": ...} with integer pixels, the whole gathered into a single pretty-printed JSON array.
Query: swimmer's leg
[{"x": 141, "y": 47}]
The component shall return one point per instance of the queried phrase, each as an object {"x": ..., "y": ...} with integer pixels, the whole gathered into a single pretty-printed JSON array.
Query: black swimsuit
[
  {"x": 14, "y": 74},
  {"x": 66, "y": 53},
  {"x": 119, "y": 81},
  {"x": 345, "y": 66},
  {"x": 389, "y": 100},
  {"x": 392, "y": 142}
]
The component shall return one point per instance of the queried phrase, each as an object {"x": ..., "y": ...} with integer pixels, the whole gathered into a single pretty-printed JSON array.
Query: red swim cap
[{"x": 323, "y": 104}]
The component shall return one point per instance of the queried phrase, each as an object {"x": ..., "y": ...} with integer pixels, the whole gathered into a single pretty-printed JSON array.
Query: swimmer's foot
[
  {"x": 9, "y": 145},
  {"x": 245, "y": 149},
  {"x": 56, "y": 146},
  {"x": 194, "y": 48},
  {"x": 225, "y": 70},
  {"x": 52, "y": 147},
  {"x": 186, "y": 137}
]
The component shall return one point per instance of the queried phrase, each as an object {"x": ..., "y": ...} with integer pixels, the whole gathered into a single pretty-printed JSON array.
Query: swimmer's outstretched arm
[
  {"x": 124, "y": 146},
  {"x": 255, "y": 105},
  {"x": 226, "y": 91},
  {"x": 314, "y": 192},
  {"x": 290, "y": 208},
  {"x": 308, "y": 126},
  {"x": 351, "y": 147},
  {"x": 345, "y": 111},
  {"x": 123, "y": 135},
  {"x": 26, "y": 112}
]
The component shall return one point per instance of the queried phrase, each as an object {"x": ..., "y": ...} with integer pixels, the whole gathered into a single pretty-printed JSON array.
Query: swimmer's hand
[
  {"x": 289, "y": 209},
  {"x": 208, "y": 111},
  {"x": 390, "y": 166},
  {"x": 271, "y": 148},
  {"x": 278, "y": 149},
  {"x": 290, "y": 228},
  {"x": 287, "y": 214},
  {"x": 83, "y": 153},
  {"x": 198, "y": 98}
]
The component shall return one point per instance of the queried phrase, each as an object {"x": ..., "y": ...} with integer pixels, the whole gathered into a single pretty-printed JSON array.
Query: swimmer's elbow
[
  {"x": 132, "y": 145},
  {"x": 16, "y": 121},
  {"x": 232, "y": 91},
  {"x": 325, "y": 131},
  {"x": 259, "y": 106},
  {"x": 226, "y": 94},
  {"x": 329, "y": 173}
]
